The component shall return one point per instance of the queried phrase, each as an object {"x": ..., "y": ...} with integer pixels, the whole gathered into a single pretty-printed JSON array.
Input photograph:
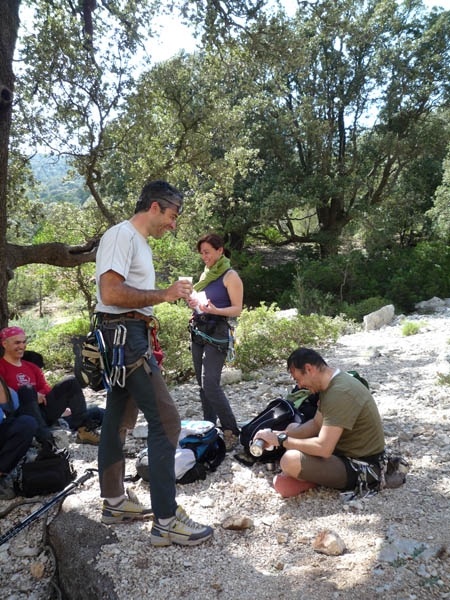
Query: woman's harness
[{"x": 218, "y": 342}]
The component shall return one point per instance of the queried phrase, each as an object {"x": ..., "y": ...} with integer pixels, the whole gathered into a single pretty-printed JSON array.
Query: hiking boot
[
  {"x": 230, "y": 440},
  {"x": 7, "y": 487},
  {"x": 87, "y": 436},
  {"x": 180, "y": 530},
  {"x": 129, "y": 509}
]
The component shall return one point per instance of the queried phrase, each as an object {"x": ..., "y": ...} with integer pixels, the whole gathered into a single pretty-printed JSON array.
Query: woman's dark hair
[
  {"x": 214, "y": 240},
  {"x": 302, "y": 356}
]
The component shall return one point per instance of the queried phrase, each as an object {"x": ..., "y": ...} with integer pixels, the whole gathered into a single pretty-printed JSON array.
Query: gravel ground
[{"x": 397, "y": 542}]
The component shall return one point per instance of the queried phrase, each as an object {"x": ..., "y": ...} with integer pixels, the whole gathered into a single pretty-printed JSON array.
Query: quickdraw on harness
[
  {"x": 369, "y": 482},
  {"x": 118, "y": 369},
  {"x": 116, "y": 324},
  {"x": 364, "y": 471}
]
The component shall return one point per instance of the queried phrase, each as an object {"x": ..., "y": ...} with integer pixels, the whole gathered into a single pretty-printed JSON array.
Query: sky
[{"x": 181, "y": 38}]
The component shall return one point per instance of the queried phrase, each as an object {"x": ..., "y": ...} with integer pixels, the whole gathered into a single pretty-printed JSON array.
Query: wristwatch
[{"x": 282, "y": 437}]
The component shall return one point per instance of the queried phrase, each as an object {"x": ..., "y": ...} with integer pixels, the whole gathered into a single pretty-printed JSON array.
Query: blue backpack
[
  {"x": 205, "y": 441},
  {"x": 200, "y": 450}
]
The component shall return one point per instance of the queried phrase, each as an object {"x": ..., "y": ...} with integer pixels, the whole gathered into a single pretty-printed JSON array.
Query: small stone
[
  {"x": 328, "y": 542},
  {"x": 237, "y": 522},
  {"x": 37, "y": 569}
]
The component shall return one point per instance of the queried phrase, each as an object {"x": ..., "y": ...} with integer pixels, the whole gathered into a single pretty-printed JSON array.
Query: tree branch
[{"x": 52, "y": 253}]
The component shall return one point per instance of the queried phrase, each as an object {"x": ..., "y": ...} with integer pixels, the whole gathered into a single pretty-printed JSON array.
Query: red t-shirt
[{"x": 27, "y": 374}]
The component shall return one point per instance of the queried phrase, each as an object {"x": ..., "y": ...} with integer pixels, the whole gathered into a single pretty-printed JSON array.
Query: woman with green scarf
[{"x": 224, "y": 293}]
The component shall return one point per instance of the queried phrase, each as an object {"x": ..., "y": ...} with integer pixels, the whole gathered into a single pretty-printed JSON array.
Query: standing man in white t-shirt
[{"x": 126, "y": 295}]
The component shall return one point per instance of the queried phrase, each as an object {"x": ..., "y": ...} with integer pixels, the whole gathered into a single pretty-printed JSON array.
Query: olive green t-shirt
[{"x": 348, "y": 403}]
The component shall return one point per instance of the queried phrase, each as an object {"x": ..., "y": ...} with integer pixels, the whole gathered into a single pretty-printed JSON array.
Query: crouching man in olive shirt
[{"x": 347, "y": 426}]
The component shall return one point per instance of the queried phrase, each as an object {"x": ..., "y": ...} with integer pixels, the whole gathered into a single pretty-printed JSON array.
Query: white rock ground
[{"x": 397, "y": 542}]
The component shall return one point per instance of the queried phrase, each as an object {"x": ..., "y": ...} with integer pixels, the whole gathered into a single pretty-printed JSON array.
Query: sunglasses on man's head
[{"x": 179, "y": 207}]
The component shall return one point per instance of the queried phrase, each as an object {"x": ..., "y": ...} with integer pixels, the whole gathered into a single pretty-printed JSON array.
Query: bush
[
  {"x": 399, "y": 276},
  {"x": 55, "y": 343},
  {"x": 174, "y": 339},
  {"x": 265, "y": 338},
  {"x": 32, "y": 326},
  {"x": 309, "y": 300},
  {"x": 360, "y": 309},
  {"x": 411, "y": 328},
  {"x": 265, "y": 284}
]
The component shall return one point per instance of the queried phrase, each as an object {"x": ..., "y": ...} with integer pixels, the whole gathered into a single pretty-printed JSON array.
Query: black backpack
[
  {"x": 50, "y": 472},
  {"x": 277, "y": 415}
]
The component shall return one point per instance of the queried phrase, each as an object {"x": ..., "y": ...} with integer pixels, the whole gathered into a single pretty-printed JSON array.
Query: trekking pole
[{"x": 45, "y": 507}]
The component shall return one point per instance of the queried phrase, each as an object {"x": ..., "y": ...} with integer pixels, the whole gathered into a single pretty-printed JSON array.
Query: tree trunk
[
  {"x": 332, "y": 221},
  {"x": 9, "y": 25}
]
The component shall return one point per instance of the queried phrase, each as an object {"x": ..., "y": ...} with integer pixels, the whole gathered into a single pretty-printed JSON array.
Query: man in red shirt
[{"x": 36, "y": 397}]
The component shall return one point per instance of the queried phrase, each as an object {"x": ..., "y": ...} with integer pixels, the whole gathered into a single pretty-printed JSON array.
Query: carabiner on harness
[
  {"x": 104, "y": 367},
  {"x": 118, "y": 369}
]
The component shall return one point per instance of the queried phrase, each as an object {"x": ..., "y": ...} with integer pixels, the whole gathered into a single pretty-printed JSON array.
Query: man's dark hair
[
  {"x": 161, "y": 192},
  {"x": 302, "y": 356}
]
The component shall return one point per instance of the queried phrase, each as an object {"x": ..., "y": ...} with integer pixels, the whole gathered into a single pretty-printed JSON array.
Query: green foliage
[
  {"x": 53, "y": 341},
  {"x": 52, "y": 173},
  {"x": 399, "y": 276},
  {"x": 443, "y": 379},
  {"x": 174, "y": 339},
  {"x": 174, "y": 256},
  {"x": 263, "y": 337},
  {"x": 308, "y": 300},
  {"x": 264, "y": 283},
  {"x": 364, "y": 307},
  {"x": 412, "y": 327},
  {"x": 23, "y": 290},
  {"x": 32, "y": 326},
  {"x": 440, "y": 213},
  {"x": 418, "y": 274}
]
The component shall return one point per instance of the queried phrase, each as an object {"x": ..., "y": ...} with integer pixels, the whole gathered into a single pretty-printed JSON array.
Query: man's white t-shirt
[{"x": 124, "y": 250}]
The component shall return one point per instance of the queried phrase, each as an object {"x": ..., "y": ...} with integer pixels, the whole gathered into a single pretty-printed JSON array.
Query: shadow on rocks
[{"x": 77, "y": 541}]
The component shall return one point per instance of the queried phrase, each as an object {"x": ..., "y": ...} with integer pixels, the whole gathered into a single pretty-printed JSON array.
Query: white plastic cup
[{"x": 185, "y": 279}]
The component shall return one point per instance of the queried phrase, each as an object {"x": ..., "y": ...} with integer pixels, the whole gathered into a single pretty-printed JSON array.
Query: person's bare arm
[
  {"x": 321, "y": 443},
  {"x": 115, "y": 292},
  {"x": 308, "y": 429}
]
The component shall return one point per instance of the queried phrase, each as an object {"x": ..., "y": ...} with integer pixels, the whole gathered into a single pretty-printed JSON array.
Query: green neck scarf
[{"x": 216, "y": 271}]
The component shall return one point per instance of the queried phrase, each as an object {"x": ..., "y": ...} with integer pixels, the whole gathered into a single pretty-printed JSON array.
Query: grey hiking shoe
[
  {"x": 231, "y": 440},
  {"x": 180, "y": 530},
  {"x": 129, "y": 509}
]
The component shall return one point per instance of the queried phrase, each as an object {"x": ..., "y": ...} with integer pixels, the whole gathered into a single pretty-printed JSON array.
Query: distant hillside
[{"x": 51, "y": 173}]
